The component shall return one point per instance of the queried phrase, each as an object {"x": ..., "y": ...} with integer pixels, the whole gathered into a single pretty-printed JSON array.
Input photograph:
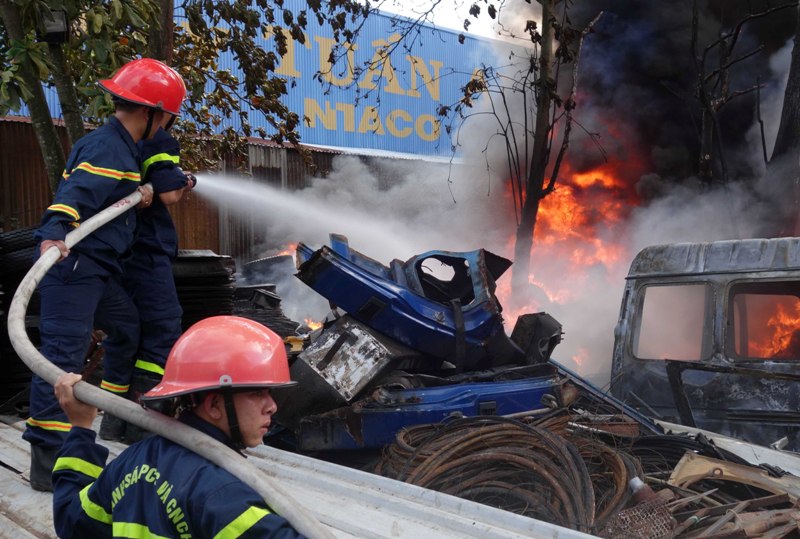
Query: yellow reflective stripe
[
  {"x": 78, "y": 465},
  {"x": 242, "y": 523},
  {"x": 63, "y": 208},
  {"x": 113, "y": 388},
  {"x": 158, "y": 158},
  {"x": 149, "y": 366},
  {"x": 108, "y": 172},
  {"x": 92, "y": 509},
  {"x": 49, "y": 424},
  {"x": 131, "y": 530}
]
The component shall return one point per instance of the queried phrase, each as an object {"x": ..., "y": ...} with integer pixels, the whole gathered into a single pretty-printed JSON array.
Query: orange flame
[
  {"x": 777, "y": 342},
  {"x": 289, "y": 249},
  {"x": 312, "y": 324},
  {"x": 575, "y": 231},
  {"x": 581, "y": 357}
]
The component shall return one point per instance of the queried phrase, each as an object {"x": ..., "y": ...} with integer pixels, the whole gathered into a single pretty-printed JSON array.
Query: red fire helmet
[
  {"x": 223, "y": 352},
  {"x": 148, "y": 82}
]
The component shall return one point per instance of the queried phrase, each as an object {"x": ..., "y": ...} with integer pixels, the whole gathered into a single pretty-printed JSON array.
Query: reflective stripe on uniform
[
  {"x": 131, "y": 530},
  {"x": 63, "y": 208},
  {"x": 108, "y": 172},
  {"x": 60, "y": 426},
  {"x": 92, "y": 509},
  {"x": 242, "y": 523},
  {"x": 149, "y": 366},
  {"x": 78, "y": 465},
  {"x": 113, "y": 388},
  {"x": 158, "y": 158}
]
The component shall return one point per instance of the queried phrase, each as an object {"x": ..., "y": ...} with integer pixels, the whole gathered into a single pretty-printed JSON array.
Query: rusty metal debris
[{"x": 552, "y": 467}]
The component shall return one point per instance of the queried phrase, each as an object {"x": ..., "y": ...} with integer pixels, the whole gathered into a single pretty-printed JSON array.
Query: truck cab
[{"x": 709, "y": 336}]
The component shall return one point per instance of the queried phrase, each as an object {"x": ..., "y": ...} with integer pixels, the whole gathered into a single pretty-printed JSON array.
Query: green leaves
[
  {"x": 12, "y": 93},
  {"x": 104, "y": 34},
  {"x": 22, "y": 51}
]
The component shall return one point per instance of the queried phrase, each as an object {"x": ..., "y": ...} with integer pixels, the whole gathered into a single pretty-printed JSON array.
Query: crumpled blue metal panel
[
  {"x": 458, "y": 320},
  {"x": 370, "y": 424}
]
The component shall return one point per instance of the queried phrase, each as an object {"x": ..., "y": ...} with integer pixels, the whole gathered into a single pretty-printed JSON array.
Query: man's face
[{"x": 254, "y": 411}]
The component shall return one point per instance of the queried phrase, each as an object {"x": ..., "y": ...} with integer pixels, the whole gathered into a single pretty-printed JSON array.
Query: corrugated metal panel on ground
[{"x": 351, "y": 503}]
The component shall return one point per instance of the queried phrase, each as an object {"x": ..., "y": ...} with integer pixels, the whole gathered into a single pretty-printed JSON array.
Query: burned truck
[
  {"x": 709, "y": 336},
  {"x": 406, "y": 347}
]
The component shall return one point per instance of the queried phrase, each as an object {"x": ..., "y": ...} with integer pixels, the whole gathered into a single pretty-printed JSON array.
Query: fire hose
[{"x": 277, "y": 499}]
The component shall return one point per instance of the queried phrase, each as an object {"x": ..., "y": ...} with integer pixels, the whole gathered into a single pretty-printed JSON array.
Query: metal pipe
[{"x": 277, "y": 499}]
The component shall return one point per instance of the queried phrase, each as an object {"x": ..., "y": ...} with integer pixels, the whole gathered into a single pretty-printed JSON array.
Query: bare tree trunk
[
  {"x": 788, "y": 139},
  {"x": 49, "y": 143},
  {"x": 67, "y": 95},
  {"x": 706, "y": 161},
  {"x": 784, "y": 165},
  {"x": 539, "y": 158},
  {"x": 160, "y": 42}
]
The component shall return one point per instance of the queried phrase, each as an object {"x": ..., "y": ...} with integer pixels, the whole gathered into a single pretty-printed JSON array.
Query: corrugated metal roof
[{"x": 349, "y": 502}]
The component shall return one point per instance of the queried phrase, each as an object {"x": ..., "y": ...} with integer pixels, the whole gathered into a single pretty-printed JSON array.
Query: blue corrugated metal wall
[{"x": 391, "y": 107}]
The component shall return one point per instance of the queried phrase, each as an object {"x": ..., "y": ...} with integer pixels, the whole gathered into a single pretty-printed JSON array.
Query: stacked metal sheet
[
  {"x": 205, "y": 283},
  {"x": 261, "y": 303},
  {"x": 16, "y": 258}
]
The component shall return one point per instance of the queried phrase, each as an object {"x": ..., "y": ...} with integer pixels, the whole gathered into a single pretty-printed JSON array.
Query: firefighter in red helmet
[
  {"x": 84, "y": 290},
  {"x": 147, "y": 272},
  {"x": 222, "y": 370}
]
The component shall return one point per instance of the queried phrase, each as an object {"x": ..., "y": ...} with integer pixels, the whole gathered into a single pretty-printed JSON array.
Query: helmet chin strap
[
  {"x": 233, "y": 420},
  {"x": 150, "y": 115}
]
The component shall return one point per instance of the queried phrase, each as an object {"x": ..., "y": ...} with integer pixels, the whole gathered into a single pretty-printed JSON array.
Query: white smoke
[
  {"x": 400, "y": 208},
  {"x": 424, "y": 206}
]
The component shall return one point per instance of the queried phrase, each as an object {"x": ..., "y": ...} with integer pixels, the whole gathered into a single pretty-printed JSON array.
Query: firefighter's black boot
[
  {"x": 43, "y": 458},
  {"x": 141, "y": 383},
  {"x": 112, "y": 428}
]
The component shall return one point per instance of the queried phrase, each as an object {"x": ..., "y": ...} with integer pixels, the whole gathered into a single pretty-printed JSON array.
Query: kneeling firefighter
[{"x": 221, "y": 372}]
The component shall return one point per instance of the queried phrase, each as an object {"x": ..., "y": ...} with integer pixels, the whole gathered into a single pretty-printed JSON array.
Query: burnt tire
[
  {"x": 16, "y": 240},
  {"x": 16, "y": 263}
]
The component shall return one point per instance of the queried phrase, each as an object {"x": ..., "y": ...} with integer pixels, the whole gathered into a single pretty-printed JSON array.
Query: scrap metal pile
[
  {"x": 416, "y": 368},
  {"x": 421, "y": 367},
  {"x": 576, "y": 469}
]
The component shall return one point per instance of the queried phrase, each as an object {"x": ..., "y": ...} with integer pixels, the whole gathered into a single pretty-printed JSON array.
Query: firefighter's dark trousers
[{"x": 77, "y": 295}]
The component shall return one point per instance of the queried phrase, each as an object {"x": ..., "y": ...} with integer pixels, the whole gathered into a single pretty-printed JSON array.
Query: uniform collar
[
  {"x": 116, "y": 124},
  {"x": 193, "y": 421}
]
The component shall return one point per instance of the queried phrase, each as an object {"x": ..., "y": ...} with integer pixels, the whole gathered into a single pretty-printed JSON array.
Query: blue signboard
[{"x": 391, "y": 105}]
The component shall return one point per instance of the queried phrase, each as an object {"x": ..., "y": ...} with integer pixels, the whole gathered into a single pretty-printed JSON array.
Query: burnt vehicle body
[
  {"x": 459, "y": 320},
  {"x": 405, "y": 347},
  {"x": 709, "y": 336}
]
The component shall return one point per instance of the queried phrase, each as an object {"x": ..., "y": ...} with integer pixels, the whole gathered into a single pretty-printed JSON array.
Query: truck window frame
[
  {"x": 641, "y": 321},
  {"x": 733, "y": 319}
]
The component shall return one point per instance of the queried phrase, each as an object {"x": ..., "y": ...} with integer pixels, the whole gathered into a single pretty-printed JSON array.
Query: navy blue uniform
[
  {"x": 155, "y": 488},
  {"x": 84, "y": 290},
  {"x": 148, "y": 271}
]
